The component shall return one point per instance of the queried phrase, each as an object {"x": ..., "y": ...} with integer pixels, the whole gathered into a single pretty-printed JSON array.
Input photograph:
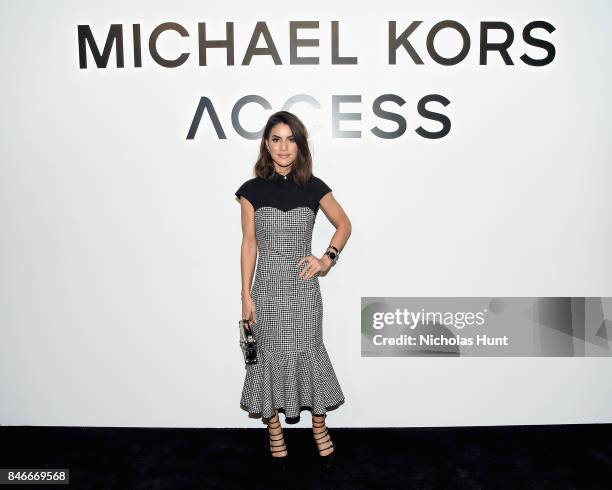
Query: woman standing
[{"x": 278, "y": 208}]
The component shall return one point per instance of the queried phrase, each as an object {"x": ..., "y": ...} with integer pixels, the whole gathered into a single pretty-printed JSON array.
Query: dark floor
[{"x": 513, "y": 457}]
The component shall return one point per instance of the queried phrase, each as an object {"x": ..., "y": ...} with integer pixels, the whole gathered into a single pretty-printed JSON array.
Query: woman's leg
[
  {"x": 277, "y": 440},
  {"x": 321, "y": 435}
]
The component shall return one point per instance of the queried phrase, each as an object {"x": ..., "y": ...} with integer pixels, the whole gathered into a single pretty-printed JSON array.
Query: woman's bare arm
[
  {"x": 248, "y": 249},
  {"x": 337, "y": 217}
]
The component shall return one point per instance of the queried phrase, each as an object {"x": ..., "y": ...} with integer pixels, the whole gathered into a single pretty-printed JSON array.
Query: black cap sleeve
[
  {"x": 247, "y": 191},
  {"x": 319, "y": 188}
]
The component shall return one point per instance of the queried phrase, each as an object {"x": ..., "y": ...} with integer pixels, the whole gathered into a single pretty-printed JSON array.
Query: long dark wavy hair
[{"x": 301, "y": 170}]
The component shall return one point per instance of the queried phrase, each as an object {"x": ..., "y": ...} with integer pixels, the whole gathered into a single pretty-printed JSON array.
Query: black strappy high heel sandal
[
  {"x": 322, "y": 438},
  {"x": 276, "y": 446}
]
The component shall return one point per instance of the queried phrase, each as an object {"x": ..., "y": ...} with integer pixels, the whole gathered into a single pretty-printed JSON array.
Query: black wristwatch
[{"x": 333, "y": 255}]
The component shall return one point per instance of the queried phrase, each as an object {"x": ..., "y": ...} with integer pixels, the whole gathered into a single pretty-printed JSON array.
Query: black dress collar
[{"x": 282, "y": 178}]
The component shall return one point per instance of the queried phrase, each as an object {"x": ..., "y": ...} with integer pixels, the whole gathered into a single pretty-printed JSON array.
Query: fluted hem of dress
[{"x": 290, "y": 382}]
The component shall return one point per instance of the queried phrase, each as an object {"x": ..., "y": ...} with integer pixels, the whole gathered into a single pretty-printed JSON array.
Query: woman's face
[{"x": 281, "y": 144}]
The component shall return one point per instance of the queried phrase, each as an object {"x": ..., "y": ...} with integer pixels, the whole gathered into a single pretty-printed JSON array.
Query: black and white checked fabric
[{"x": 293, "y": 370}]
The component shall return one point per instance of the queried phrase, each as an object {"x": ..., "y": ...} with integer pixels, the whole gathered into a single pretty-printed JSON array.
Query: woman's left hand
[{"x": 313, "y": 266}]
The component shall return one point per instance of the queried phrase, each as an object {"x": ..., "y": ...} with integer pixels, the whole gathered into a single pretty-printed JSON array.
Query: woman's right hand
[{"x": 248, "y": 309}]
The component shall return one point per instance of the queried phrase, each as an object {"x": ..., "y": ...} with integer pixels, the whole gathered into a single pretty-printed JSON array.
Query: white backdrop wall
[{"x": 120, "y": 272}]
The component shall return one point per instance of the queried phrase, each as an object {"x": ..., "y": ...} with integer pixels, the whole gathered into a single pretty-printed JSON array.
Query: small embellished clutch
[{"x": 248, "y": 343}]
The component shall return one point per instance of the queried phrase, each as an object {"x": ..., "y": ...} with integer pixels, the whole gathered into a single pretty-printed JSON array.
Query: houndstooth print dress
[{"x": 293, "y": 370}]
